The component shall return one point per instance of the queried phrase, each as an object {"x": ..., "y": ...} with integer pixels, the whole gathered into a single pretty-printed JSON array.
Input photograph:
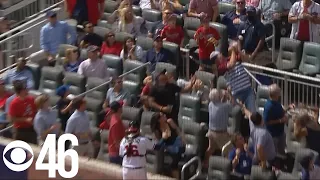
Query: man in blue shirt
[
  {"x": 274, "y": 118},
  {"x": 21, "y": 72},
  {"x": 55, "y": 33},
  {"x": 157, "y": 54},
  {"x": 232, "y": 19},
  {"x": 240, "y": 155},
  {"x": 251, "y": 34}
]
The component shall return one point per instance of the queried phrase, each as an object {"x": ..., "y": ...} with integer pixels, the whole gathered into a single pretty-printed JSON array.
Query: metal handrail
[
  {"x": 253, "y": 77},
  {"x": 284, "y": 73},
  {"x": 273, "y": 37},
  {"x": 93, "y": 89},
  {"x": 22, "y": 31},
  {"x": 40, "y": 12},
  {"x": 184, "y": 167},
  {"x": 22, "y": 49},
  {"x": 19, "y": 27}
]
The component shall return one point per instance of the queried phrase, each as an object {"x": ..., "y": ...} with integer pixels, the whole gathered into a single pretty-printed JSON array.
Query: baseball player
[{"x": 133, "y": 149}]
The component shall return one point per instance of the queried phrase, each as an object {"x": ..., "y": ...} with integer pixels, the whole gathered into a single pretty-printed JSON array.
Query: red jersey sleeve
[
  {"x": 102, "y": 48},
  {"x": 222, "y": 66},
  {"x": 145, "y": 90},
  {"x": 163, "y": 32},
  {"x": 216, "y": 34},
  {"x": 181, "y": 34},
  {"x": 117, "y": 131},
  {"x": 119, "y": 48}
]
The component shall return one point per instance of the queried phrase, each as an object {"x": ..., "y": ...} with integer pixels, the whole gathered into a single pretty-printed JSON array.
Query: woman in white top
[
  {"x": 131, "y": 50},
  {"x": 128, "y": 22}
]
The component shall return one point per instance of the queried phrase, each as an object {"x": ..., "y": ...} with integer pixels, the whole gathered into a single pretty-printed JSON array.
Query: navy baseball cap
[
  {"x": 51, "y": 14},
  {"x": 251, "y": 10},
  {"x": 92, "y": 48},
  {"x": 62, "y": 90}
]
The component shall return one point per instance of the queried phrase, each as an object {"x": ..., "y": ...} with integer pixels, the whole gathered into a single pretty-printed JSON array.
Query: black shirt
[
  {"x": 92, "y": 39},
  {"x": 61, "y": 104}
]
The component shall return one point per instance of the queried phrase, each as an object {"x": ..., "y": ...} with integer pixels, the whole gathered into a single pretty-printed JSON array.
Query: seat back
[
  {"x": 207, "y": 78},
  {"x": 300, "y": 154},
  {"x": 39, "y": 58},
  {"x": 151, "y": 16},
  {"x": 189, "y": 109},
  {"x": 51, "y": 79},
  {"x": 109, "y": 7},
  {"x": 175, "y": 51},
  {"x": 190, "y": 27},
  {"x": 76, "y": 81},
  {"x": 219, "y": 168},
  {"x": 286, "y": 176},
  {"x": 160, "y": 66},
  {"x": 104, "y": 152},
  {"x": 137, "y": 10},
  {"x": 257, "y": 173},
  {"x": 223, "y": 42},
  {"x": 101, "y": 31},
  {"x": 235, "y": 118},
  {"x": 222, "y": 83},
  {"x": 261, "y": 98},
  {"x": 154, "y": 159},
  {"x": 310, "y": 64},
  {"x": 94, "y": 107},
  {"x": 99, "y": 93},
  {"x": 136, "y": 76},
  {"x": 225, "y": 7},
  {"x": 145, "y": 43},
  {"x": 114, "y": 64},
  {"x": 122, "y": 36},
  {"x": 289, "y": 54},
  {"x": 130, "y": 114}
]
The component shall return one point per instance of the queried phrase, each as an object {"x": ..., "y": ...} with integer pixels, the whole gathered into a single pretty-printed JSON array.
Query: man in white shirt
[{"x": 93, "y": 66}]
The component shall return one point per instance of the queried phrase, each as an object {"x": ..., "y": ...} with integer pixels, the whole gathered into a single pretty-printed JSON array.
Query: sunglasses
[{"x": 240, "y": 2}]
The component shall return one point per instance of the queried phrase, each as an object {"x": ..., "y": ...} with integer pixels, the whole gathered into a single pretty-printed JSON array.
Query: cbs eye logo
[{"x": 18, "y": 156}]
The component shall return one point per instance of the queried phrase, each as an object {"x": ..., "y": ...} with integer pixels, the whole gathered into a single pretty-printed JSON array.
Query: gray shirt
[
  {"x": 260, "y": 136},
  {"x": 78, "y": 123},
  {"x": 43, "y": 120},
  {"x": 219, "y": 116},
  {"x": 96, "y": 68},
  {"x": 120, "y": 96},
  {"x": 269, "y": 7}
]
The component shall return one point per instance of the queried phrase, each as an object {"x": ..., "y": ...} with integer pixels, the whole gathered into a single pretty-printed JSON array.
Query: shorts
[{"x": 218, "y": 139}]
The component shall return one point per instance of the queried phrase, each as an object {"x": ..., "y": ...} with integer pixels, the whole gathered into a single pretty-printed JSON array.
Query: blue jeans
[
  {"x": 116, "y": 160},
  {"x": 248, "y": 98}
]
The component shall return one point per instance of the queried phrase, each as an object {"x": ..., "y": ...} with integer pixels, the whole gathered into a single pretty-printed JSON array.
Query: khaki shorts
[
  {"x": 217, "y": 139},
  {"x": 84, "y": 149}
]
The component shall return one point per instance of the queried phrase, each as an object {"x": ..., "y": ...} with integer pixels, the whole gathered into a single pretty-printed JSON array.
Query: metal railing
[
  {"x": 296, "y": 88},
  {"x": 188, "y": 164},
  {"x": 24, "y": 40},
  {"x": 93, "y": 89},
  {"x": 20, "y": 11}
]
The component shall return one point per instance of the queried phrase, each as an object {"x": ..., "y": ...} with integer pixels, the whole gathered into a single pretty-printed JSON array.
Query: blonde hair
[
  {"x": 214, "y": 95},
  {"x": 68, "y": 54},
  {"x": 124, "y": 4},
  {"x": 40, "y": 100},
  {"x": 122, "y": 18}
]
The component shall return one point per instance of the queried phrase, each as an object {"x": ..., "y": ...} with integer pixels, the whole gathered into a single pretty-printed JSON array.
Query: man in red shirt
[
  {"x": 116, "y": 132},
  {"x": 207, "y": 39},
  {"x": 85, "y": 10},
  {"x": 173, "y": 32},
  {"x": 21, "y": 113}
]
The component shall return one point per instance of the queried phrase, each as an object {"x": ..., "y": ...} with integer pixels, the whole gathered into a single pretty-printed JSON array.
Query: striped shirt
[
  {"x": 219, "y": 116},
  {"x": 238, "y": 79}
]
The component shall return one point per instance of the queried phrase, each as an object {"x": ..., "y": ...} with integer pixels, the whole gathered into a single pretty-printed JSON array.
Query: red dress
[{"x": 92, "y": 6}]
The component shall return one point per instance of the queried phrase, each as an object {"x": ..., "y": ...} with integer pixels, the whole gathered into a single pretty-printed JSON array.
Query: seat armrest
[
  {"x": 296, "y": 71},
  {"x": 318, "y": 76},
  {"x": 204, "y": 127}
]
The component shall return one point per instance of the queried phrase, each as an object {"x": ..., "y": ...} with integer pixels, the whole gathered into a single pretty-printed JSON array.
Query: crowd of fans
[{"x": 33, "y": 119}]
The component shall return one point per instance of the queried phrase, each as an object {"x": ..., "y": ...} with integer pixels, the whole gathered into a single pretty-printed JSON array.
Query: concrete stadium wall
[{"x": 89, "y": 169}]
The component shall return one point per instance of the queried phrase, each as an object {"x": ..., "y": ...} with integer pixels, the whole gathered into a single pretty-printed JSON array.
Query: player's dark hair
[
  {"x": 19, "y": 86},
  {"x": 77, "y": 103},
  {"x": 256, "y": 118}
]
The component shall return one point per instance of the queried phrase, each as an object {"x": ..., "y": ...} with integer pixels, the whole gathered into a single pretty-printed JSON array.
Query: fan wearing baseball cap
[{"x": 207, "y": 39}]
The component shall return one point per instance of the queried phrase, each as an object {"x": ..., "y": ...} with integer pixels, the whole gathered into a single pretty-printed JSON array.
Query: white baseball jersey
[{"x": 139, "y": 146}]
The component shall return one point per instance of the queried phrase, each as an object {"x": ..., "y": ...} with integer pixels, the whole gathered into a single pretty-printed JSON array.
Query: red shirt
[
  {"x": 146, "y": 90},
  {"x": 205, "y": 48},
  {"x": 172, "y": 34},
  {"x": 303, "y": 29},
  {"x": 92, "y": 7},
  {"x": 115, "y": 49},
  {"x": 3, "y": 100},
  {"x": 116, "y": 133},
  {"x": 23, "y": 108}
]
